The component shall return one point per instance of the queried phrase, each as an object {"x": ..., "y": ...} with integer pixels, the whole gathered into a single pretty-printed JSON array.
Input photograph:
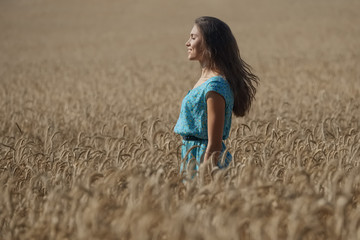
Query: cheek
[{"x": 197, "y": 46}]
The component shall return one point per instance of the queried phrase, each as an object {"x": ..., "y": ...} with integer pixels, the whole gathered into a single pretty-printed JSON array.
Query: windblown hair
[{"x": 221, "y": 49}]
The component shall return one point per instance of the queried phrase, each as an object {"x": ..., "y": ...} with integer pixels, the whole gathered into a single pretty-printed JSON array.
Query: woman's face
[{"x": 194, "y": 45}]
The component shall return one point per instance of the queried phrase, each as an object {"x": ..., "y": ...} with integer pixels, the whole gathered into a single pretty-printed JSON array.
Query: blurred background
[
  {"x": 156, "y": 30},
  {"x": 130, "y": 56}
]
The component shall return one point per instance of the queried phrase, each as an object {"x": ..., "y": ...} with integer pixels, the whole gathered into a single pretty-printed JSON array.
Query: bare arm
[{"x": 216, "y": 118}]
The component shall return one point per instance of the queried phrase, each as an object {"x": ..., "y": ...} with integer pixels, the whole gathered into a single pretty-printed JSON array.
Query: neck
[{"x": 206, "y": 72}]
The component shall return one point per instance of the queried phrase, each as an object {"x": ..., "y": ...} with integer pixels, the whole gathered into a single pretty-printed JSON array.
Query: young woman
[{"x": 226, "y": 85}]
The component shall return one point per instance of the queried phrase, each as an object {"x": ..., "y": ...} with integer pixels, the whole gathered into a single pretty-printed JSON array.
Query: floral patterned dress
[{"x": 193, "y": 121}]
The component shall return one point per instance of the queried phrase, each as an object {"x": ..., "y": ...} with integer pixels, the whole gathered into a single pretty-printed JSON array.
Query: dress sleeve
[{"x": 218, "y": 86}]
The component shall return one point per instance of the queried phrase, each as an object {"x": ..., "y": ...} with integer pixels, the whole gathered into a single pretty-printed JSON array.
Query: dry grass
[{"x": 90, "y": 93}]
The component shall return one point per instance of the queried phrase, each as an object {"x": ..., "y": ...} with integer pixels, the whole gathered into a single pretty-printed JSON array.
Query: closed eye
[{"x": 193, "y": 36}]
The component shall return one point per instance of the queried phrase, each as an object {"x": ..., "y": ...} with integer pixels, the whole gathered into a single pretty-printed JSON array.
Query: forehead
[{"x": 195, "y": 30}]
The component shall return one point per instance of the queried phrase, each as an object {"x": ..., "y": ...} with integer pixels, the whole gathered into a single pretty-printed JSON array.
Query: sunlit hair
[{"x": 223, "y": 55}]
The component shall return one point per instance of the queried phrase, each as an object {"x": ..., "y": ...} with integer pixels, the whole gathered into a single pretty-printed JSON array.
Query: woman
[{"x": 226, "y": 85}]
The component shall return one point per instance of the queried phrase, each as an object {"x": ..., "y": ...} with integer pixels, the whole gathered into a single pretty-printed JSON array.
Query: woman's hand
[{"x": 215, "y": 120}]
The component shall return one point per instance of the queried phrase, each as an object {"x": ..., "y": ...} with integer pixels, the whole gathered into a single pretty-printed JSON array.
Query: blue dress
[{"x": 193, "y": 121}]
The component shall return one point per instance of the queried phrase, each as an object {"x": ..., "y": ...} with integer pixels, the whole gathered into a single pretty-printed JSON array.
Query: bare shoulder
[
  {"x": 214, "y": 96},
  {"x": 215, "y": 99}
]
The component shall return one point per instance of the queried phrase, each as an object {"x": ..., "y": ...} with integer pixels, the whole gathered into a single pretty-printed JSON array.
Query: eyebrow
[{"x": 193, "y": 34}]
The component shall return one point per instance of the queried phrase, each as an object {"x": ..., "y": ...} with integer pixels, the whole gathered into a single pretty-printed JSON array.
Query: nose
[{"x": 187, "y": 43}]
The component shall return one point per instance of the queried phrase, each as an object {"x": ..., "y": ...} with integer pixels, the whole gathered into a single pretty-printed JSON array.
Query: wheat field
[{"x": 91, "y": 91}]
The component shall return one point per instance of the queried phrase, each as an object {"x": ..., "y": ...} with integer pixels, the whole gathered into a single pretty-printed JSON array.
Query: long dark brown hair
[{"x": 222, "y": 52}]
